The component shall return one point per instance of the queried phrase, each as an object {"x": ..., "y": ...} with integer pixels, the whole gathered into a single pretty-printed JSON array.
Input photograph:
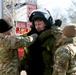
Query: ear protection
[{"x": 50, "y": 19}]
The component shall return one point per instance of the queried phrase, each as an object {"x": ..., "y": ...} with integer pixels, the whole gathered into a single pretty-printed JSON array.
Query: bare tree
[{"x": 72, "y": 12}]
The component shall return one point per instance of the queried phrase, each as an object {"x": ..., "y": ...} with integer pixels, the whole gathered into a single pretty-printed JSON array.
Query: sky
[
  {"x": 56, "y": 6},
  {"x": 54, "y": 3}
]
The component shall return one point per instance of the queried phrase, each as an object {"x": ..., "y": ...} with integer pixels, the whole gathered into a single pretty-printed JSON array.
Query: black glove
[{"x": 58, "y": 22}]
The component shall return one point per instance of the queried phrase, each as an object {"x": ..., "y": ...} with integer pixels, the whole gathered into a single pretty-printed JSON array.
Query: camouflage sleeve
[
  {"x": 55, "y": 30},
  {"x": 61, "y": 61},
  {"x": 14, "y": 42}
]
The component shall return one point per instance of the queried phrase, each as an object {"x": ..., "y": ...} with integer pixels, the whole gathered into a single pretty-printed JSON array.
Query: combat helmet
[{"x": 43, "y": 14}]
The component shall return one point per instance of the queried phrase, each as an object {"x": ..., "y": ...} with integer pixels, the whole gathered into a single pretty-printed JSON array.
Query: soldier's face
[
  {"x": 12, "y": 31},
  {"x": 9, "y": 32},
  {"x": 39, "y": 25}
]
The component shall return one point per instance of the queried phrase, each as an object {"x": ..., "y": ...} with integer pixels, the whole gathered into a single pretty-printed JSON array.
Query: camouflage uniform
[
  {"x": 9, "y": 63},
  {"x": 65, "y": 58}
]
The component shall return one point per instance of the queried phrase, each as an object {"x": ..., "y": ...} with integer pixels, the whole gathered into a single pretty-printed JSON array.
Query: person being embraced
[{"x": 37, "y": 58}]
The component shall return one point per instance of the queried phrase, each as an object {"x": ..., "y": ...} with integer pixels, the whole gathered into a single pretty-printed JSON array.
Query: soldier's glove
[{"x": 33, "y": 37}]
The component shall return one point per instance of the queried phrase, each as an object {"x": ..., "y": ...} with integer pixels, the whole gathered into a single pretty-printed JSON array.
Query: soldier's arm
[
  {"x": 14, "y": 42},
  {"x": 44, "y": 34},
  {"x": 27, "y": 40},
  {"x": 55, "y": 30},
  {"x": 61, "y": 61}
]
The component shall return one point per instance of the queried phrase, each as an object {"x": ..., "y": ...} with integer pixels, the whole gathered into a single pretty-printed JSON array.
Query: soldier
[
  {"x": 9, "y": 63},
  {"x": 65, "y": 55},
  {"x": 38, "y": 60}
]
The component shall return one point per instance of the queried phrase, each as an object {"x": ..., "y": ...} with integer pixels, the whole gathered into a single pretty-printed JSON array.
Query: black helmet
[
  {"x": 4, "y": 26},
  {"x": 36, "y": 14},
  {"x": 41, "y": 13}
]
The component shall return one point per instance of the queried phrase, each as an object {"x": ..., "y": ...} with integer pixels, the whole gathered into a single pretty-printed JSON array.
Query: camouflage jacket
[
  {"x": 9, "y": 64},
  {"x": 65, "y": 58}
]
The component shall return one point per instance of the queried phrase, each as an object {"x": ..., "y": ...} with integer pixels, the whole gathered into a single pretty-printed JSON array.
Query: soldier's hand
[{"x": 34, "y": 35}]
